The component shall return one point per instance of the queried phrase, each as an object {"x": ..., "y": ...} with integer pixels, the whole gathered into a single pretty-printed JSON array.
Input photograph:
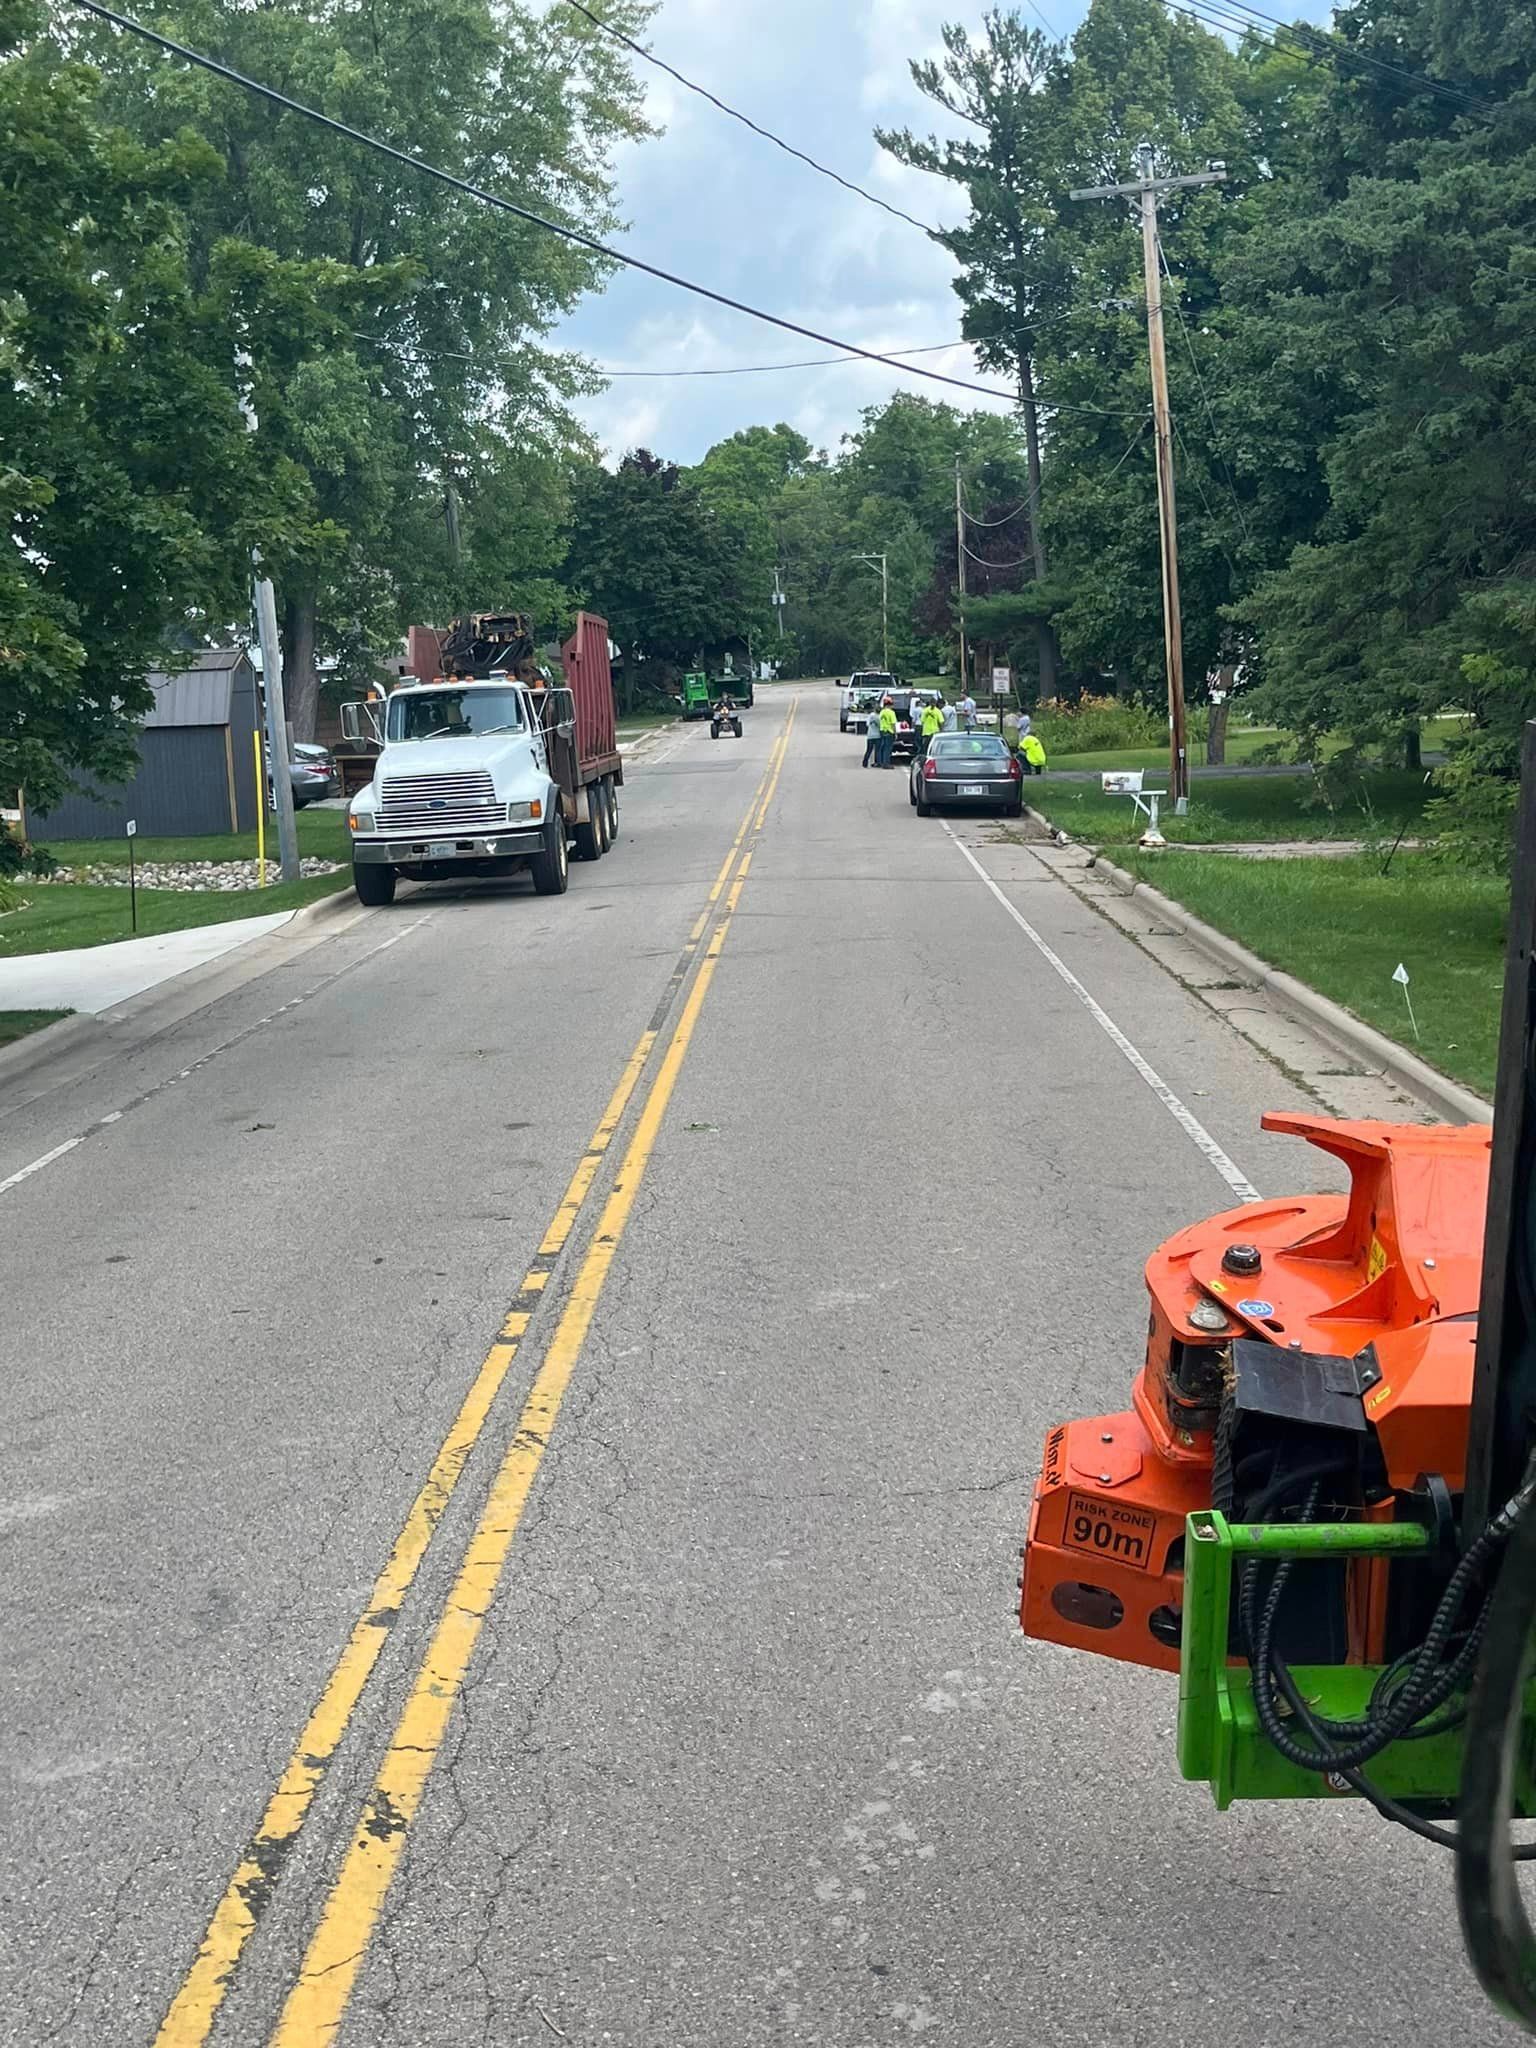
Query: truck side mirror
[{"x": 360, "y": 724}]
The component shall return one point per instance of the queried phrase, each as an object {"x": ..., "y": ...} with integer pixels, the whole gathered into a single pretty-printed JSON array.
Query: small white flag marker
[{"x": 1400, "y": 976}]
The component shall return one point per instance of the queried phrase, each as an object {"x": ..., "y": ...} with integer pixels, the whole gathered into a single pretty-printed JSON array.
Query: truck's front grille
[{"x": 464, "y": 801}]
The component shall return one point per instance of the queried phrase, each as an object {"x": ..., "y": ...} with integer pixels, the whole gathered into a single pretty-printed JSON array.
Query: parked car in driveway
[
  {"x": 312, "y": 772},
  {"x": 970, "y": 769}
]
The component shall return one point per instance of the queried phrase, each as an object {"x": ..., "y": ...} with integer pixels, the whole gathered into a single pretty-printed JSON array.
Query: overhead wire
[
  {"x": 986, "y": 562},
  {"x": 452, "y": 355},
  {"x": 1242, "y": 18},
  {"x": 1336, "y": 46},
  {"x": 972, "y": 520},
  {"x": 523, "y": 213},
  {"x": 1205, "y": 400},
  {"x": 767, "y": 134}
]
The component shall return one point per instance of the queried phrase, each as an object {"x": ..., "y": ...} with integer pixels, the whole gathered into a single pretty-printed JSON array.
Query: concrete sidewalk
[{"x": 95, "y": 978}]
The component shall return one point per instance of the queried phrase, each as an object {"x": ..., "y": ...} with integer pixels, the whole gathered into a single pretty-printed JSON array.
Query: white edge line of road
[
  {"x": 1185, "y": 1118},
  {"x": 116, "y": 1115}
]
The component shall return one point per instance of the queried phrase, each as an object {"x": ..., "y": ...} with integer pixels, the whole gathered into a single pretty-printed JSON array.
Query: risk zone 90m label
[{"x": 1106, "y": 1529}]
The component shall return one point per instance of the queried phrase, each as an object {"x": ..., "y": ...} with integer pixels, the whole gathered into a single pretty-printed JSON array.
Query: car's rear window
[{"x": 969, "y": 746}]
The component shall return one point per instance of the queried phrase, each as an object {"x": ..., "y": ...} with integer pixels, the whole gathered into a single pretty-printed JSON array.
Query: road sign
[
  {"x": 1002, "y": 681},
  {"x": 132, "y": 828}
]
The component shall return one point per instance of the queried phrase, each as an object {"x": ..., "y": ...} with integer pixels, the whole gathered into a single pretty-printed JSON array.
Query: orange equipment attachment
[{"x": 1369, "y": 1298}]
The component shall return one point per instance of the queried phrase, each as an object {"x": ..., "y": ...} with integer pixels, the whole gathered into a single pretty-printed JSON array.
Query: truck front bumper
[{"x": 406, "y": 853}]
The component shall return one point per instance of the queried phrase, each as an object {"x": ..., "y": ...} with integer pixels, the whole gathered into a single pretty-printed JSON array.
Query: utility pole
[
  {"x": 778, "y": 600},
  {"x": 272, "y": 688},
  {"x": 885, "y": 629},
  {"x": 1147, "y": 189},
  {"x": 960, "y": 559}
]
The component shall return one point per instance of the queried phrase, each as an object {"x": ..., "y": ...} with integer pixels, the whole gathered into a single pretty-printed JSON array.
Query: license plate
[
  {"x": 974, "y": 789},
  {"x": 440, "y": 849}
]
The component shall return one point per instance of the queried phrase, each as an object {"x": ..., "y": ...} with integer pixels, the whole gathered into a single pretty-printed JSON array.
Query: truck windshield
[{"x": 452, "y": 714}]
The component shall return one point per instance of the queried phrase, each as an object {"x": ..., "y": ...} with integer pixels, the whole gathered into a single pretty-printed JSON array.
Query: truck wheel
[
  {"x": 611, "y": 797},
  {"x": 842, "y": 725},
  {"x": 551, "y": 869},
  {"x": 375, "y": 886},
  {"x": 589, "y": 837}
]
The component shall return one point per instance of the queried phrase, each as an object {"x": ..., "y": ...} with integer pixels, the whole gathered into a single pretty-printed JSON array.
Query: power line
[
  {"x": 746, "y": 121},
  {"x": 1240, "y": 16},
  {"x": 929, "y": 348},
  {"x": 1210, "y": 414},
  {"x": 985, "y": 562},
  {"x": 1335, "y": 46},
  {"x": 972, "y": 520},
  {"x": 1129, "y": 449},
  {"x": 1194, "y": 475},
  {"x": 538, "y": 220},
  {"x": 453, "y": 355}
]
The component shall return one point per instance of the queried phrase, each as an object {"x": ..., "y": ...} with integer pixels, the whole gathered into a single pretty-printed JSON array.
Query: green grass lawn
[
  {"x": 647, "y": 721},
  {"x": 16, "y": 1024},
  {"x": 322, "y": 835},
  {"x": 1238, "y": 809},
  {"x": 64, "y": 914},
  {"x": 1342, "y": 926},
  {"x": 1245, "y": 743}
]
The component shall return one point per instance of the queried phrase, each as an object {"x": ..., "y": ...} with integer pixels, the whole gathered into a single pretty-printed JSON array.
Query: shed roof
[{"x": 198, "y": 694}]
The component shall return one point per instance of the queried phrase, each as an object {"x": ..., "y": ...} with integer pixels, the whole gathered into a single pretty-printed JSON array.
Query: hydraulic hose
[{"x": 1501, "y": 1942}]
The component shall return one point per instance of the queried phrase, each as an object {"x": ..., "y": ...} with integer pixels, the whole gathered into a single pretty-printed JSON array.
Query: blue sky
[{"x": 714, "y": 202}]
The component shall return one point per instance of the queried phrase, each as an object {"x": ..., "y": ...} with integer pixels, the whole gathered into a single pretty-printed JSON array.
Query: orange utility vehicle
[{"x": 1319, "y": 1508}]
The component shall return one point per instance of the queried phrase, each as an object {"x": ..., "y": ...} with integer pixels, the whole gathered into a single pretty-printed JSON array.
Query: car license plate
[
  {"x": 440, "y": 849},
  {"x": 973, "y": 789}
]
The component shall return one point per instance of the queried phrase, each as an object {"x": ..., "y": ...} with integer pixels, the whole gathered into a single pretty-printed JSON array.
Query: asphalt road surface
[{"x": 440, "y": 1608}]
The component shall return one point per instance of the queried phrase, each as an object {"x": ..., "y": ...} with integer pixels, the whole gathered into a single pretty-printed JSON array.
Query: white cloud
[{"x": 720, "y": 205}]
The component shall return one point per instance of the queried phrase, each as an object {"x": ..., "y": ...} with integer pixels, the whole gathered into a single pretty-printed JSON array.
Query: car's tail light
[
  {"x": 930, "y": 769},
  {"x": 1013, "y": 767}
]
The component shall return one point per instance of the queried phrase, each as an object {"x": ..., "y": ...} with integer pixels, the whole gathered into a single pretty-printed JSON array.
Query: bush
[{"x": 1096, "y": 725}]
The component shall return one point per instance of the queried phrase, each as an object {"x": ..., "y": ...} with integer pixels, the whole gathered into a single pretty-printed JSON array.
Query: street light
[{"x": 885, "y": 633}]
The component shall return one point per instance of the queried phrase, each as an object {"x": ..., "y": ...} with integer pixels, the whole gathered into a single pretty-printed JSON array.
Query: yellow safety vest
[{"x": 887, "y": 720}]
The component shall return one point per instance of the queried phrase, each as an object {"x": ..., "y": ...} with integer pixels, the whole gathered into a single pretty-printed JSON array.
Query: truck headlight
[
  {"x": 359, "y": 821},
  {"x": 525, "y": 814}
]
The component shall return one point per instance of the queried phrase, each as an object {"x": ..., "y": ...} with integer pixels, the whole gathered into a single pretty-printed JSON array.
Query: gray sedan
[{"x": 969, "y": 768}]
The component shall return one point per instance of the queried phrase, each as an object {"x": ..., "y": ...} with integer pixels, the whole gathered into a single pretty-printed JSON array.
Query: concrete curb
[
  {"x": 55, "y": 1040},
  {"x": 1353, "y": 1037},
  {"x": 23, "y": 1054},
  {"x": 322, "y": 907}
]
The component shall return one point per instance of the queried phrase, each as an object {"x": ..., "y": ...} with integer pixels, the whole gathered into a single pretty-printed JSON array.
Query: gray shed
[{"x": 197, "y": 763}]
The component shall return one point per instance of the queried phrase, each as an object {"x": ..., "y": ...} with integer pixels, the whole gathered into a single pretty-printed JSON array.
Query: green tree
[
  {"x": 659, "y": 562},
  {"x": 1413, "y": 283},
  {"x": 1051, "y": 288},
  {"x": 127, "y": 483},
  {"x": 424, "y": 397},
  {"x": 1008, "y": 162}
]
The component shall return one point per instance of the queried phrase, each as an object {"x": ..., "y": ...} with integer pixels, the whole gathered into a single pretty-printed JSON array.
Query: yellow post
[{"x": 261, "y": 815}]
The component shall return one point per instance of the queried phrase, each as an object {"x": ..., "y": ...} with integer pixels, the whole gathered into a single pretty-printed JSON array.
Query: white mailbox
[{"x": 1122, "y": 781}]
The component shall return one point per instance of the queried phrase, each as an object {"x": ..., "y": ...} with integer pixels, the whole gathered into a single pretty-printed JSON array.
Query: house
[{"x": 197, "y": 761}]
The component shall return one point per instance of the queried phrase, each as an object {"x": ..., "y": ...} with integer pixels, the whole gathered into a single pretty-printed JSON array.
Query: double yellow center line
[{"x": 318, "y": 2001}]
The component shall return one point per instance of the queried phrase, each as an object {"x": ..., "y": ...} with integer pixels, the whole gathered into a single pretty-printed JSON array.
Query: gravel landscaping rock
[{"x": 186, "y": 875}]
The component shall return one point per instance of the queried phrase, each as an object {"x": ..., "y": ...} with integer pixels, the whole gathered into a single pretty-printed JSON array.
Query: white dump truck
[{"x": 488, "y": 766}]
